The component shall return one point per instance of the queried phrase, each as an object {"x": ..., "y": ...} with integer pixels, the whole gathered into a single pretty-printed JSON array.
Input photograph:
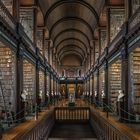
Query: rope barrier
[{"x": 103, "y": 105}]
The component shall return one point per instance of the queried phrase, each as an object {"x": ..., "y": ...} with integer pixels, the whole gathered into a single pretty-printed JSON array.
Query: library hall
[{"x": 69, "y": 69}]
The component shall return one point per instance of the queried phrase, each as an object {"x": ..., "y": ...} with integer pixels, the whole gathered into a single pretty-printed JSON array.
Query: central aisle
[{"x": 63, "y": 131}]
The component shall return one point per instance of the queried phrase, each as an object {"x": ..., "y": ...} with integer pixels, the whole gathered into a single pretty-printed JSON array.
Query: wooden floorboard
[{"x": 72, "y": 131}]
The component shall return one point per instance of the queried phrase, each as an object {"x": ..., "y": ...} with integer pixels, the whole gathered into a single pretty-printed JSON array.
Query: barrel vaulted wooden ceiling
[{"x": 72, "y": 24}]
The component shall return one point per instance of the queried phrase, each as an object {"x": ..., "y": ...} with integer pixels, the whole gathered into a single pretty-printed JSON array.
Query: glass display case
[
  {"x": 7, "y": 78},
  {"x": 117, "y": 18},
  {"x": 135, "y": 80},
  {"x": 114, "y": 83},
  {"x": 29, "y": 85}
]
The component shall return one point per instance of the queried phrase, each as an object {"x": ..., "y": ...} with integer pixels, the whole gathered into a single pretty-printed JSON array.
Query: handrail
[
  {"x": 107, "y": 128},
  {"x": 32, "y": 128},
  {"x": 108, "y": 108},
  {"x": 72, "y": 113},
  {"x": 110, "y": 128}
]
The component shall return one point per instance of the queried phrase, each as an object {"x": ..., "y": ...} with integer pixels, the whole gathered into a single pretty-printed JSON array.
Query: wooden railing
[
  {"x": 109, "y": 128},
  {"x": 72, "y": 113},
  {"x": 106, "y": 128},
  {"x": 33, "y": 130}
]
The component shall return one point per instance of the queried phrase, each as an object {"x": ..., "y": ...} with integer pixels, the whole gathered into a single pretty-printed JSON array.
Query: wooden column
[
  {"x": 76, "y": 95},
  {"x": 108, "y": 26},
  {"x": 92, "y": 83},
  {"x": 90, "y": 58},
  {"x": 106, "y": 62},
  {"x": 128, "y": 9},
  {"x": 66, "y": 89},
  {"x": 37, "y": 81},
  {"x": 16, "y": 8},
  {"x": 50, "y": 89},
  {"x": 45, "y": 85},
  {"x": 19, "y": 83},
  {"x": 106, "y": 83},
  {"x": 35, "y": 10},
  {"x": 98, "y": 93},
  {"x": 125, "y": 75},
  {"x": 89, "y": 85},
  {"x": 99, "y": 30}
]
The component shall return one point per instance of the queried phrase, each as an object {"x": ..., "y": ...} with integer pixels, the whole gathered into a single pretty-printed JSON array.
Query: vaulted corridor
[{"x": 70, "y": 69}]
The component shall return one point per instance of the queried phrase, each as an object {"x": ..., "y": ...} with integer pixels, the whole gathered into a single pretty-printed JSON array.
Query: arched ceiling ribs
[
  {"x": 72, "y": 30},
  {"x": 70, "y": 52},
  {"x": 78, "y": 19},
  {"x": 74, "y": 39},
  {"x": 84, "y": 3},
  {"x": 70, "y": 46}
]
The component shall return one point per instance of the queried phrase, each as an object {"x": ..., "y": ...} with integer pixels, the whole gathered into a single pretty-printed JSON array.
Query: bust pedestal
[{"x": 120, "y": 111}]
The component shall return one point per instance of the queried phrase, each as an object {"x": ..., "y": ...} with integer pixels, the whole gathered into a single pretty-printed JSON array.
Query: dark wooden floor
[{"x": 74, "y": 131}]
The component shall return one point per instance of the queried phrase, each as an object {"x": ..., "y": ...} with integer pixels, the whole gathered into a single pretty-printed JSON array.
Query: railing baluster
[{"x": 76, "y": 113}]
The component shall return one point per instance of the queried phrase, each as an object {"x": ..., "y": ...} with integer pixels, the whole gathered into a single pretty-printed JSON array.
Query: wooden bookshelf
[
  {"x": 9, "y": 5},
  {"x": 27, "y": 21},
  {"x": 40, "y": 40},
  {"x": 114, "y": 82},
  {"x": 117, "y": 17},
  {"x": 135, "y": 5},
  {"x": 135, "y": 79},
  {"x": 96, "y": 50},
  {"x": 103, "y": 35},
  {"x": 7, "y": 77}
]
